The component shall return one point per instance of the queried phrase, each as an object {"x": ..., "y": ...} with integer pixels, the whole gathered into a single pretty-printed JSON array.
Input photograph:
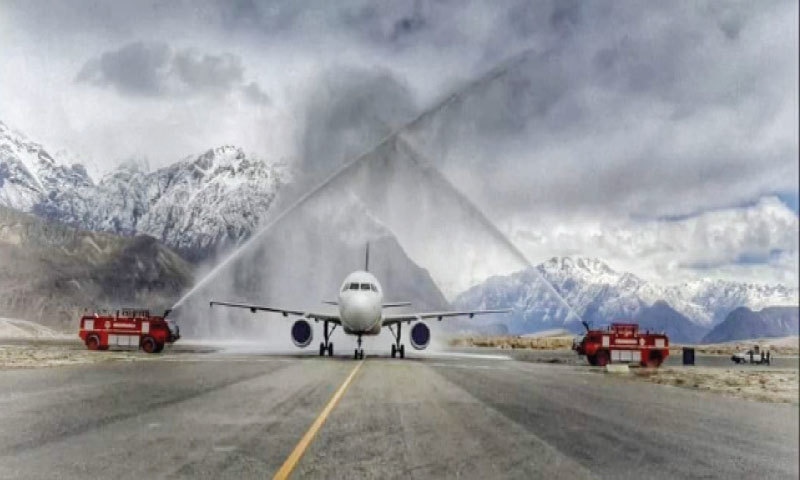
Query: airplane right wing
[
  {"x": 414, "y": 317},
  {"x": 329, "y": 317},
  {"x": 395, "y": 304}
]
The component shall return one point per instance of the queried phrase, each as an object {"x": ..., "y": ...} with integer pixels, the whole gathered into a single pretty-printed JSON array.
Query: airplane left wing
[
  {"x": 415, "y": 317},
  {"x": 329, "y": 317}
]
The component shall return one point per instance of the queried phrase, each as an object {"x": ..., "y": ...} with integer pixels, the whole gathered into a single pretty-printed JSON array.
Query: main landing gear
[
  {"x": 397, "y": 347},
  {"x": 359, "y": 352},
  {"x": 327, "y": 346}
]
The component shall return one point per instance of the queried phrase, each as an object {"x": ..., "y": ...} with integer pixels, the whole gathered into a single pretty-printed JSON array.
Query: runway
[{"x": 213, "y": 415}]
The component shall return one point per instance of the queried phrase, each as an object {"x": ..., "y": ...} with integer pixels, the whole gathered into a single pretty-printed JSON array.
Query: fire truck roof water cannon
[
  {"x": 128, "y": 328},
  {"x": 622, "y": 343}
]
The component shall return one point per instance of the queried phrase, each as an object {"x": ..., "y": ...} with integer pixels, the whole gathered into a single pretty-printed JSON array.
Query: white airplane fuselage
[{"x": 360, "y": 304}]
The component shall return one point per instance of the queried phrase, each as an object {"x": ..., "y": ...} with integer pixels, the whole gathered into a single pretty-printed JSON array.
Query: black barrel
[{"x": 688, "y": 356}]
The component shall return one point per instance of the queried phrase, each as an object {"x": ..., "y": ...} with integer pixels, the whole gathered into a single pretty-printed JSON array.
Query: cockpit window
[
  {"x": 365, "y": 286},
  {"x": 373, "y": 287},
  {"x": 353, "y": 286}
]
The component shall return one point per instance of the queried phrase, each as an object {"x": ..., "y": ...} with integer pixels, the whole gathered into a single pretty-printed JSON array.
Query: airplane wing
[
  {"x": 395, "y": 304},
  {"x": 415, "y": 317},
  {"x": 329, "y": 317}
]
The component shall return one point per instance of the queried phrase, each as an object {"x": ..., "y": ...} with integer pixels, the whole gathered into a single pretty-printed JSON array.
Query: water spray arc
[{"x": 395, "y": 138}]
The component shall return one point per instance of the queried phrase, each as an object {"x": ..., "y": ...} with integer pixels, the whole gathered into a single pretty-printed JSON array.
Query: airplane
[{"x": 361, "y": 312}]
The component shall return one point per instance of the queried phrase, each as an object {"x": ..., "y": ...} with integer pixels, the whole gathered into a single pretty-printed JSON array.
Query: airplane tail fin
[{"x": 366, "y": 260}]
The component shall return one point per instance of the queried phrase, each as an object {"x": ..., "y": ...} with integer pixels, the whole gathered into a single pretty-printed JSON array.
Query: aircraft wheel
[
  {"x": 355, "y": 354},
  {"x": 321, "y": 349},
  {"x": 330, "y": 349},
  {"x": 403, "y": 351},
  {"x": 394, "y": 350}
]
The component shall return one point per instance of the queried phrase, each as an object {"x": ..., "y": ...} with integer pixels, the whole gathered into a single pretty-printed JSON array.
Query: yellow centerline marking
[{"x": 291, "y": 462}]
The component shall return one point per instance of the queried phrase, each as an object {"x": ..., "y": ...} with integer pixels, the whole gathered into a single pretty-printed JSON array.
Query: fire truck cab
[
  {"x": 623, "y": 343},
  {"x": 128, "y": 328}
]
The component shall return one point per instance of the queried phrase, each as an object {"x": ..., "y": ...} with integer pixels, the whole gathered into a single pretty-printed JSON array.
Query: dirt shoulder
[
  {"x": 511, "y": 342},
  {"x": 38, "y": 355},
  {"x": 763, "y": 385}
]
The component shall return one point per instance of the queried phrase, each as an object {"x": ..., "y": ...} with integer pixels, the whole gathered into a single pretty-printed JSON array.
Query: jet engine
[
  {"x": 302, "y": 334},
  {"x": 420, "y": 336}
]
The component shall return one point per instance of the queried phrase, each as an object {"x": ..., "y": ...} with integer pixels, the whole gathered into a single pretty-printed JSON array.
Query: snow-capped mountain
[
  {"x": 28, "y": 174},
  {"x": 599, "y": 294},
  {"x": 195, "y": 206}
]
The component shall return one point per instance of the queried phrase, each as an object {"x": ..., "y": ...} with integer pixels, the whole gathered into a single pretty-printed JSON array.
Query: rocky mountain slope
[
  {"x": 28, "y": 174},
  {"x": 744, "y": 324},
  {"x": 196, "y": 206},
  {"x": 599, "y": 294},
  {"x": 50, "y": 272}
]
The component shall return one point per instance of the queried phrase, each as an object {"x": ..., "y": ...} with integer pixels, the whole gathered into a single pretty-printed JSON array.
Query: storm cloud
[
  {"x": 155, "y": 69},
  {"x": 620, "y": 114}
]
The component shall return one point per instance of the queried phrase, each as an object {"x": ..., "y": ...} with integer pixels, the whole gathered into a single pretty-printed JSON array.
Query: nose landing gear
[
  {"x": 397, "y": 347},
  {"x": 359, "y": 352}
]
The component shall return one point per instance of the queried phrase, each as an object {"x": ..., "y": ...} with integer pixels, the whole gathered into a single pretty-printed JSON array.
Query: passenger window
[
  {"x": 365, "y": 286},
  {"x": 353, "y": 286}
]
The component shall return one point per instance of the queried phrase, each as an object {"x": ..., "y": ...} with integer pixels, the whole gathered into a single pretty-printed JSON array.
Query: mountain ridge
[
  {"x": 198, "y": 206},
  {"x": 600, "y": 295}
]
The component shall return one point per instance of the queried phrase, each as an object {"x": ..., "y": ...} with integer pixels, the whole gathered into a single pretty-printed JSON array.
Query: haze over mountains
[
  {"x": 206, "y": 204},
  {"x": 601, "y": 295},
  {"x": 50, "y": 272}
]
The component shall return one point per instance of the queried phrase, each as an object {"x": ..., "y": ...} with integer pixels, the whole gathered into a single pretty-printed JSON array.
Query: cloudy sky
[{"x": 661, "y": 137}]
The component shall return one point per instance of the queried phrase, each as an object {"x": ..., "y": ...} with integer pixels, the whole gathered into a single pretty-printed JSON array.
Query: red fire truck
[
  {"x": 623, "y": 343},
  {"x": 128, "y": 328}
]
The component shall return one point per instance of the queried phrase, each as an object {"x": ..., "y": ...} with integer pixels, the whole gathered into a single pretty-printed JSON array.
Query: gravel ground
[{"x": 760, "y": 384}]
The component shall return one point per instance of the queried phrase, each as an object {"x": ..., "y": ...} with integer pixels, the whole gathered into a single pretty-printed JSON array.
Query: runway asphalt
[{"x": 215, "y": 415}]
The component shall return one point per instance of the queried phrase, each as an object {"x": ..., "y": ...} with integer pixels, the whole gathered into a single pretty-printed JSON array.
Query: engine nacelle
[
  {"x": 420, "y": 336},
  {"x": 302, "y": 333}
]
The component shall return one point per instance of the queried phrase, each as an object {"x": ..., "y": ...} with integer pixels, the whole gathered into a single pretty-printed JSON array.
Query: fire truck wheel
[
  {"x": 159, "y": 347},
  {"x": 655, "y": 359},
  {"x": 592, "y": 360},
  {"x": 601, "y": 358},
  {"x": 149, "y": 345},
  {"x": 93, "y": 342}
]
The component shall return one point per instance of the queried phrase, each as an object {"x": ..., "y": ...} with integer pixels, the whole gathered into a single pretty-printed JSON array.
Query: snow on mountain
[
  {"x": 28, "y": 174},
  {"x": 195, "y": 206},
  {"x": 599, "y": 294}
]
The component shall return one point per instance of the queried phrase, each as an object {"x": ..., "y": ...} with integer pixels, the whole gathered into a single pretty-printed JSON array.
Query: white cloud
[{"x": 753, "y": 243}]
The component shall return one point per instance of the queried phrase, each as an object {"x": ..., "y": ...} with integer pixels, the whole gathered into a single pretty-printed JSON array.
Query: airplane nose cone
[{"x": 360, "y": 314}]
